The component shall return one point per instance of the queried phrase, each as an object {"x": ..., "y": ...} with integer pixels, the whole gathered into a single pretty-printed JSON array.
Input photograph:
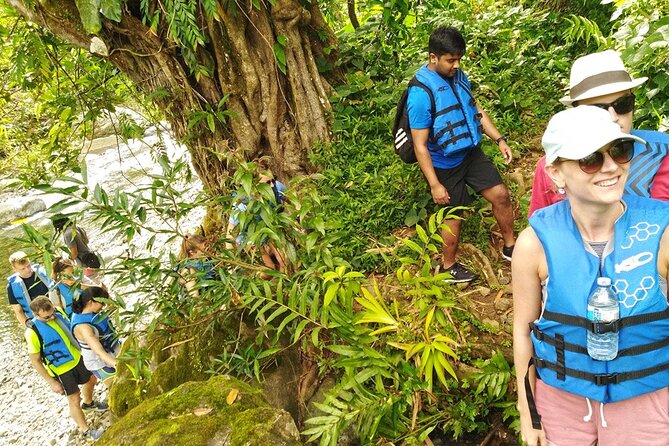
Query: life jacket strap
[
  {"x": 606, "y": 327},
  {"x": 559, "y": 348},
  {"x": 531, "y": 404},
  {"x": 600, "y": 379},
  {"x": 631, "y": 351},
  {"x": 453, "y": 140},
  {"x": 448, "y": 110},
  {"x": 449, "y": 129},
  {"x": 541, "y": 336}
]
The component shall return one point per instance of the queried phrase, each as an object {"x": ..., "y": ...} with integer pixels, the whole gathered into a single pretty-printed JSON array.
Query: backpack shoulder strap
[{"x": 416, "y": 83}]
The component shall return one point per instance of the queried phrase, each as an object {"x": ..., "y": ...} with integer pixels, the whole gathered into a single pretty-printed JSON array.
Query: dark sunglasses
[
  {"x": 621, "y": 105},
  {"x": 621, "y": 152}
]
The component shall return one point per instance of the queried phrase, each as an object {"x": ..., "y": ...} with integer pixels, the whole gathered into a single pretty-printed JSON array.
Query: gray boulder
[{"x": 20, "y": 207}]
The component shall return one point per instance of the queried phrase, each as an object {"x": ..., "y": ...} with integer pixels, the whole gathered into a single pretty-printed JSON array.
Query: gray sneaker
[
  {"x": 100, "y": 406},
  {"x": 459, "y": 274},
  {"x": 93, "y": 434}
]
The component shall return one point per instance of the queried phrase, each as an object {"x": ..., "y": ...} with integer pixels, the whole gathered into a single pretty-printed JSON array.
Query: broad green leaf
[
  {"x": 428, "y": 321},
  {"x": 413, "y": 246},
  {"x": 210, "y": 123},
  {"x": 399, "y": 345},
  {"x": 280, "y": 55},
  {"x": 324, "y": 407},
  {"x": 383, "y": 330},
  {"x": 446, "y": 365},
  {"x": 300, "y": 328},
  {"x": 90, "y": 15},
  {"x": 421, "y": 234},
  {"x": 268, "y": 352},
  {"x": 330, "y": 294},
  {"x": 344, "y": 350},
  {"x": 279, "y": 311},
  {"x": 111, "y": 9},
  {"x": 439, "y": 369}
]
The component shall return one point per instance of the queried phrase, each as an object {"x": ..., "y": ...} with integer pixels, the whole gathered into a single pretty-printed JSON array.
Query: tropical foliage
[{"x": 360, "y": 297}]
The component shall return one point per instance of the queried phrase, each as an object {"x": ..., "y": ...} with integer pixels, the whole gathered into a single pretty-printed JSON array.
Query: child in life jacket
[
  {"x": 67, "y": 284},
  {"x": 96, "y": 335},
  {"x": 198, "y": 267},
  {"x": 239, "y": 223}
]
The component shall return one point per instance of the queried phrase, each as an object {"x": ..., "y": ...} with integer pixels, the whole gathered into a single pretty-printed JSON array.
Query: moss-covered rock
[
  {"x": 205, "y": 413},
  {"x": 127, "y": 391},
  {"x": 175, "y": 359}
]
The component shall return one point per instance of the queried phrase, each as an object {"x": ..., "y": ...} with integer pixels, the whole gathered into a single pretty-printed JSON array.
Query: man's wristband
[{"x": 500, "y": 139}]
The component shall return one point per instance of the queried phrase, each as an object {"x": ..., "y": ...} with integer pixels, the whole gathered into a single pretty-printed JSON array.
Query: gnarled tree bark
[{"x": 274, "y": 114}]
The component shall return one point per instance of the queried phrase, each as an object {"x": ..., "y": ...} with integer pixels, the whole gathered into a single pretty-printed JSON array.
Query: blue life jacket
[
  {"x": 457, "y": 121},
  {"x": 21, "y": 292},
  {"x": 646, "y": 161},
  {"x": 203, "y": 266},
  {"x": 559, "y": 335},
  {"x": 278, "y": 189},
  {"x": 68, "y": 294},
  {"x": 52, "y": 346},
  {"x": 101, "y": 323}
]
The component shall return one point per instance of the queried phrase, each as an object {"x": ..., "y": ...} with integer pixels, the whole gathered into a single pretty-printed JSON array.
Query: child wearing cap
[
  {"x": 565, "y": 396},
  {"x": 601, "y": 79}
]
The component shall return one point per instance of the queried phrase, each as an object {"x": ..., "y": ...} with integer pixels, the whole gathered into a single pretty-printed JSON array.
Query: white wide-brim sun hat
[
  {"x": 577, "y": 132},
  {"x": 599, "y": 74}
]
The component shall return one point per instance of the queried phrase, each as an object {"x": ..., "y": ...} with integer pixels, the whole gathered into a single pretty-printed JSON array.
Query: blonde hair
[{"x": 19, "y": 257}]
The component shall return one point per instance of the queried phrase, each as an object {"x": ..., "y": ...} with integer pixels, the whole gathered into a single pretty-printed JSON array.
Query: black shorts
[
  {"x": 475, "y": 171},
  {"x": 73, "y": 378}
]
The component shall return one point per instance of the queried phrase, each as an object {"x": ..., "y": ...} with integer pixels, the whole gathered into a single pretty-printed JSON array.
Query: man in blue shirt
[{"x": 447, "y": 143}]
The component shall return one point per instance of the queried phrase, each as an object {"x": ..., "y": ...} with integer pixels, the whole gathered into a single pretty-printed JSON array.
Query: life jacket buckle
[
  {"x": 605, "y": 327},
  {"x": 606, "y": 379}
]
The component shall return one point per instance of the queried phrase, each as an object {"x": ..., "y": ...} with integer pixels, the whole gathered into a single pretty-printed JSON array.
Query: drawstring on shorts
[{"x": 588, "y": 417}]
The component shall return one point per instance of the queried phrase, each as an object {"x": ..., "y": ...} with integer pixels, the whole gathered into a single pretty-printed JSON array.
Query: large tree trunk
[{"x": 273, "y": 114}]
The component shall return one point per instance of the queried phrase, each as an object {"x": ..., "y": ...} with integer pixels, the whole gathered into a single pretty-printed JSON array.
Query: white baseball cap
[
  {"x": 577, "y": 132},
  {"x": 598, "y": 74}
]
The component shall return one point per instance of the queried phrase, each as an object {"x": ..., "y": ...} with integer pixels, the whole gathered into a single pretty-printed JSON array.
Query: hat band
[{"x": 608, "y": 77}]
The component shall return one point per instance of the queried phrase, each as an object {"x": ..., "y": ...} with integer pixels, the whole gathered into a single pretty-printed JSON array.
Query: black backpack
[{"x": 401, "y": 130}]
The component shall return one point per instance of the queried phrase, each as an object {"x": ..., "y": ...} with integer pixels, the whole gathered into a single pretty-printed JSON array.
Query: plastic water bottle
[{"x": 603, "y": 307}]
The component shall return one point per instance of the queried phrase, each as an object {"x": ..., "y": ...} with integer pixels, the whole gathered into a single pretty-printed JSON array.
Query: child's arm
[
  {"x": 85, "y": 332},
  {"x": 229, "y": 237}
]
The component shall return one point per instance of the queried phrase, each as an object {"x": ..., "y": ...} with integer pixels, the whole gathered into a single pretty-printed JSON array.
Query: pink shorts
[{"x": 568, "y": 419}]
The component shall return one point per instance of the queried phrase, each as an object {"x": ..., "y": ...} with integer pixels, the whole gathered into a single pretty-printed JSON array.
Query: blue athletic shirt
[{"x": 418, "y": 107}]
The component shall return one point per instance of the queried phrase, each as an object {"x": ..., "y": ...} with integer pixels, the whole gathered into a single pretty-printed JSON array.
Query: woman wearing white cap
[
  {"x": 564, "y": 396},
  {"x": 601, "y": 79}
]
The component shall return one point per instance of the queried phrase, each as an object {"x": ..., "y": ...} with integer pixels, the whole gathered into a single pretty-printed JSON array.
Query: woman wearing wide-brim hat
[{"x": 601, "y": 79}]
